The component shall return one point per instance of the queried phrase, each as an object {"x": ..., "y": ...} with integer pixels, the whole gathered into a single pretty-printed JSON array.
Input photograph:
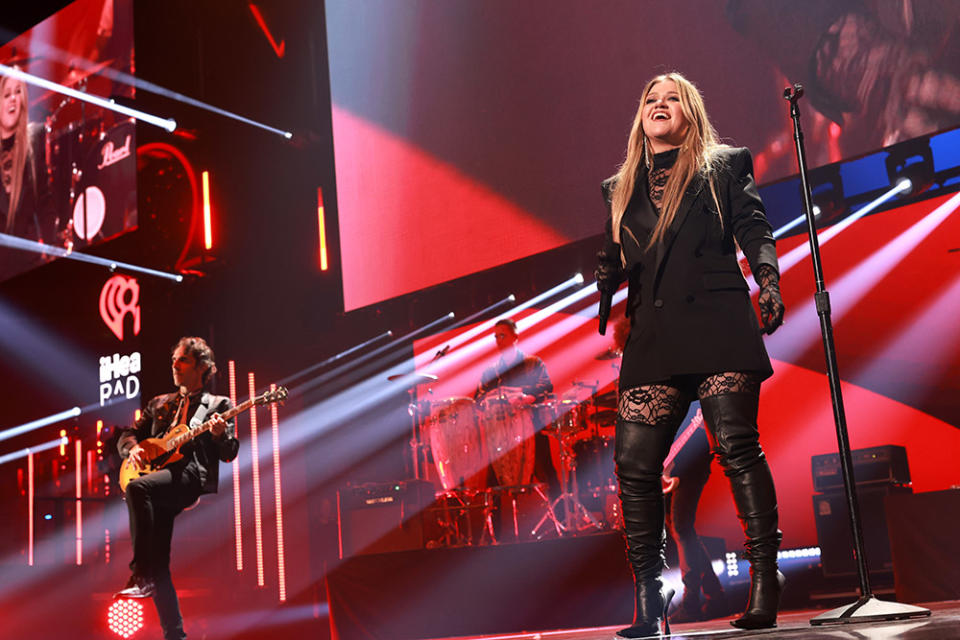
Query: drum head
[{"x": 106, "y": 202}]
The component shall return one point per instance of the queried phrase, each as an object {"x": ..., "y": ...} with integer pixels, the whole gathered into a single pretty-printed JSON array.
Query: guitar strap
[{"x": 180, "y": 415}]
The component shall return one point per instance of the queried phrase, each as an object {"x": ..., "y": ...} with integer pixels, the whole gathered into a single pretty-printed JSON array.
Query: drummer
[{"x": 524, "y": 380}]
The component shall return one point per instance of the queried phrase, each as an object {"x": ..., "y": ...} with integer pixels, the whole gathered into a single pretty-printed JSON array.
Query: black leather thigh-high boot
[
  {"x": 639, "y": 452},
  {"x": 732, "y": 421}
]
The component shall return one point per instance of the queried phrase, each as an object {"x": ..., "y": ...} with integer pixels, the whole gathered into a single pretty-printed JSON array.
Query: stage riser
[{"x": 553, "y": 584}]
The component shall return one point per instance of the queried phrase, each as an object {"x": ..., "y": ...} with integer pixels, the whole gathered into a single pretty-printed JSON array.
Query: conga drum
[
  {"x": 508, "y": 434},
  {"x": 457, "y": 444}
]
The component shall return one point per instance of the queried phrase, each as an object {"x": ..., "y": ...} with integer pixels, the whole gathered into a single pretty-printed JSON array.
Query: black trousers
[{"x": 153, "y": 501}]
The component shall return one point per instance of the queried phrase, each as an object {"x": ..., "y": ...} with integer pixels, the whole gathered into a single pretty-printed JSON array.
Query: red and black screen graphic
[{"x": 469, "y": 134}]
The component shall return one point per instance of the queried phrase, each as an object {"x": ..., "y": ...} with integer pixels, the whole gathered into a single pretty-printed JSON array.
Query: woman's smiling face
[
  {"x": 663, "y": 121},
  {"x": 11, "y": 106}
]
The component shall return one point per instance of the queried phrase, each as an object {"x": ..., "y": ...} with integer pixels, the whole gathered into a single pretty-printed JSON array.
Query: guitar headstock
[{"x": 269, "y": 397}]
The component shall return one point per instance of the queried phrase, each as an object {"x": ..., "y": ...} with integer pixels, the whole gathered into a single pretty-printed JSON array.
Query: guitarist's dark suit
[
  {"x": 155, "y": 499},
  {"x": 202, "y": 454}
]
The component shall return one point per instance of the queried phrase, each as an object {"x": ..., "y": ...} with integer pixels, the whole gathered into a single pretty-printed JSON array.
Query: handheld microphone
[{"x": 603, "y": 313}]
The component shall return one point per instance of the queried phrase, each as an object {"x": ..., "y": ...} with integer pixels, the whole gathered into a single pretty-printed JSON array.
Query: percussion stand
[
  {"x": 550, "y": 515},
  {"x": 452, "y": 515},
  {"x": 577, "y": 517},
  {"x": 489, "y": 506},
  {"x": 417, "y": 419}
]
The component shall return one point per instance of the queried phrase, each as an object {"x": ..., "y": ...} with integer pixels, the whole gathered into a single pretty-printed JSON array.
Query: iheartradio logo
[{"x": 120, "y": 295}]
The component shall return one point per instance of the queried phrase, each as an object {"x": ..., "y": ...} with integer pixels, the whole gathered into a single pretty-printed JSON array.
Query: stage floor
[{"x": 943, "y": 624}]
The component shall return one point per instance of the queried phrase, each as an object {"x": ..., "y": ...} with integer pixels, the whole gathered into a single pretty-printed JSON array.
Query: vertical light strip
[
  {"x": 278, "y": 500},
  {"x": 235, "y": 467},
  {"x": 255, "y": 453},
  {"x": 78, "y": 457},
  {"x": 321, "y": 224},
  {"x": 136, "y": 415},
  {"x": 29, "y": 508},
  {"x": 90, "y": 466},
  {"x": 207, "y": 233}
]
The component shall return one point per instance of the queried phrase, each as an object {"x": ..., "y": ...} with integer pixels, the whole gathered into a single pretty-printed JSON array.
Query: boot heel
[
  {"x": 667, "y": 598},
  {"x": 651, "y": 627},
  {"x": 762, "y": 609}
]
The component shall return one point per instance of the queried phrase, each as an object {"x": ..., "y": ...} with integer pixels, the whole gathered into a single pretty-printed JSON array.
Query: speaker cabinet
[
  {"x": 926, "y": 546},
  {"x": 833, "y": 529},
  {"x": 382, "y": 517}
]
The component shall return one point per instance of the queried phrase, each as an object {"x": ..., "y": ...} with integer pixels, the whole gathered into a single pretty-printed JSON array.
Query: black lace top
[{"x": 659, "y": 173}]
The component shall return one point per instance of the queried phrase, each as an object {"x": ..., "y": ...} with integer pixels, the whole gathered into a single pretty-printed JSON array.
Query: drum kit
[
  {"x": 480, "y": 455},
  {"x": 91, "y": 163}
]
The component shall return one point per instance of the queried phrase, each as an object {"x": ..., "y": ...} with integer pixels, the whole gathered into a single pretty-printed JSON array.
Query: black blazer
[
  {"x": 201, "y": 456},
  {"x": 688, "y": 302}
]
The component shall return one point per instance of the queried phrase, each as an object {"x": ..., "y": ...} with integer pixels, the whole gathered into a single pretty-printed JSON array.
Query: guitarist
[
  {"x": 691, "y": 468},
  {"x": 155, "y": 499}
]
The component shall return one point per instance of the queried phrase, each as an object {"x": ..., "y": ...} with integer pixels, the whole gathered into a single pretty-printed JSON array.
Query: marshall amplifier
[
  {"x": 877, "y": 465},
  {"x": 382, "y": 517}
]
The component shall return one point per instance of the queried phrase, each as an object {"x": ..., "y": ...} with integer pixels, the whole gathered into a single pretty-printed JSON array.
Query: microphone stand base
[{"x": 869, "y": 609}]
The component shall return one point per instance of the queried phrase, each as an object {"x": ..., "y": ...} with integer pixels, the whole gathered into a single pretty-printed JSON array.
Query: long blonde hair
[
  {"x": 21, "y": 152},
  {"x": 696, "y": 156}
]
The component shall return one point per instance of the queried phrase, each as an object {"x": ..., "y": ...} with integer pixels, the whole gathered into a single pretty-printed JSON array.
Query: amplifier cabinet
[
  {"x": 833, "y": 529},
  {"x": 926, "y": 546},
  {"x": 885, "y": 464},
  {"x": 382, "y": 517}
]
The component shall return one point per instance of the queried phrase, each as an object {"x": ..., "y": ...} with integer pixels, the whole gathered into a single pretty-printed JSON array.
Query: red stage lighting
[
  {"x": 321, "y": 224},
  {"x": 125, "y": 617}
]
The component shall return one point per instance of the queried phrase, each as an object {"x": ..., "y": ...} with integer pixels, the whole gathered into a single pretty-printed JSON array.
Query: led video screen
[
  {"x": 68, "y": 166},
  {"x": 473, "y": 133}
]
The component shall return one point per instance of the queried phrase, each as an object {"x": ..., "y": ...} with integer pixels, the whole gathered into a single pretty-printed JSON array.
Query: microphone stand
[{"x": 867, "y": 608}]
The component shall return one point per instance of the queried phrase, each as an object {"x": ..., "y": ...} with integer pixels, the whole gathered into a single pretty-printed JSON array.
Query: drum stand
[
  {"x": 418, "y": 417},
  {"x": 576, "y": 516},
  {"x": 456, "y": 508}
]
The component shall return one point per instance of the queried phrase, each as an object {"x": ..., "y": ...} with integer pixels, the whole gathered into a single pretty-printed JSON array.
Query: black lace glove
[
  {"x": 769, "y": 301},
  {"x": 609, "y": 273}
]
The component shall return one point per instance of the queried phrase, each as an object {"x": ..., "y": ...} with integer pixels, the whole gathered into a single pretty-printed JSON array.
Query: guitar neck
[
  {"x": 684, "y": 437},
  {"x": 206, "y": 426}
]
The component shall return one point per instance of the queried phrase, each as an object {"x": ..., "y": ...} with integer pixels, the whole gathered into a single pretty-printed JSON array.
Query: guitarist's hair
[{"x": 201, "y": 352}]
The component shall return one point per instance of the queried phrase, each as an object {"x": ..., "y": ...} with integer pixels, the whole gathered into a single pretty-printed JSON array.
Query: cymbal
[
  {"x": 606, "y": 418},
  {"x": 413, "y": 378},
  {"x": 75, "y": 76},
  {"x": 20, "y": 60}
]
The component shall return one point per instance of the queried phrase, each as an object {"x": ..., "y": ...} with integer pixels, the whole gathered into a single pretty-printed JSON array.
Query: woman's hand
[
  {"x": 770, "y": 301},
  {"x": 609, "y": 273}
]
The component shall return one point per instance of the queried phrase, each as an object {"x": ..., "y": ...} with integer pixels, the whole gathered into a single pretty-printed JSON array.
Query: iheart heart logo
[{"x": 120, "y": 295}]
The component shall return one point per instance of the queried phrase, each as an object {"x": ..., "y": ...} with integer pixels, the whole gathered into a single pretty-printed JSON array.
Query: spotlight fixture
[
  {"x": 827, "y": 192},
  {"x": 911, "y": 162},
  {"x": 125, "y": 617}
]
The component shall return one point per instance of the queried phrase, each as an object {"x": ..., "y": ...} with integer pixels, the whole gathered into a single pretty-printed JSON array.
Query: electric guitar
[
  {"x": 159, "y": 452},
  {"x": 669, "y": 482}
]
